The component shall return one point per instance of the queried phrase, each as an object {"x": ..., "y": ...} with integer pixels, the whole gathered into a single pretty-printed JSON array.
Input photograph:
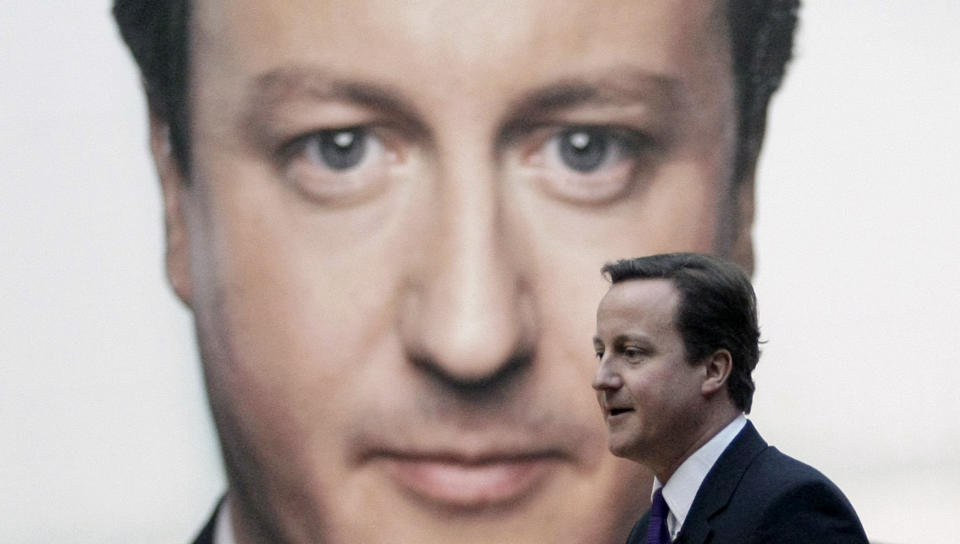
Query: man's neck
[
  {"x": 685, "y": 482},
  {"x": 235, "y": 523},
  {"x": 715, "y": 422}
]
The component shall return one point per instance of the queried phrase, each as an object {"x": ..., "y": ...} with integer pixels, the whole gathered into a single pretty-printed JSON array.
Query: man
[
  {"x": 381, "y": 213},
  {"x": 677, "y": 339}
]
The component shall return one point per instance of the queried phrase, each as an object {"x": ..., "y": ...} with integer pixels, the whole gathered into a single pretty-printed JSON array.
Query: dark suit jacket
[
  {"x": 206, "y": 535},
  {"x": 755, "y": 494}
]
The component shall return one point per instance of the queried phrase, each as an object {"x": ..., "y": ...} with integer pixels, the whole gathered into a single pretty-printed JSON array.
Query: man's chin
[
  {"x": 502, "y": 503},
  {"x": 624, "y": 449}
]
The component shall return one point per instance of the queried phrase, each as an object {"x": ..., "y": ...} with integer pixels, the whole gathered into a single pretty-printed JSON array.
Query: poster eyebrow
[
  {"x": 279, "y": 86},
  {"x": 626, "y": 87}
]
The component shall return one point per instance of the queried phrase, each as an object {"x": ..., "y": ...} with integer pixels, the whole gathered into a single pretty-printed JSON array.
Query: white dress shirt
[
  {"x": 682, "y": 487},
  {"x": 223, "y": 529}
]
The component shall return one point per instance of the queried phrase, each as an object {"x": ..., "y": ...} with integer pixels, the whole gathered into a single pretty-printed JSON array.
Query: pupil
[
  {"x": 583, "y": 150},
  {"x": 580, "y": 140},
  {"x": 343, "y": 149},
  {"x": 344, "y": 139}
]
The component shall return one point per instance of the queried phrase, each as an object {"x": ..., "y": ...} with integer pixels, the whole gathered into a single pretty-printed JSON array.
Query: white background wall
[
  {"x": 104, "y": 434},
  {"x": 858, "y": 236}
]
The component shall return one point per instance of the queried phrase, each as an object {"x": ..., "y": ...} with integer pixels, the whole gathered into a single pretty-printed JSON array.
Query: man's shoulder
[
  {"x": 756, "y": 493},
  {"x": 795, "y": 502},
  {"x": 772, "y": 475},
  {"x": 774, "y": 469},
  {"x": 764, "y": 470},
  {"x": 790, "y": 500}
]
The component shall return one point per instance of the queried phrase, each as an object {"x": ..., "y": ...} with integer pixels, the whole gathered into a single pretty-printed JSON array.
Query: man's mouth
[
  {"x": 615, "y": 414},
  {"x": 469, "y": 483}
]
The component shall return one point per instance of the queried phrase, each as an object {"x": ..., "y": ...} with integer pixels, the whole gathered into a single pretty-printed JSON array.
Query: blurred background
[{"x": 104, "y": 431}]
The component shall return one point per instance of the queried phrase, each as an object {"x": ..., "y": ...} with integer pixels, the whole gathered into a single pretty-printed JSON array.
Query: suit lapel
[
  {"x": 206, "y": 535},
  {"x": 720, "y": 483},
  {"x": 638, "y": 535}
]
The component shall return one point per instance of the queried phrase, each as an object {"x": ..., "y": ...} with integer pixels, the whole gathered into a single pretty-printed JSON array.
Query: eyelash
[
  {"x": 297, "y": 145},
  {"x": 610, "y": 158},
  {"x": 306, "y": 163},
  {"x": 627, "y": 152},
  {"x": 632, "y": 353}
]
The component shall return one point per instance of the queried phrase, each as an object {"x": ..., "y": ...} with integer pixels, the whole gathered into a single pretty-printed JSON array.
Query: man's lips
[
  {"x": 614, "y": 414},
  {"x": 467, "y": 462},
  {"x": 469, "y": 482}
]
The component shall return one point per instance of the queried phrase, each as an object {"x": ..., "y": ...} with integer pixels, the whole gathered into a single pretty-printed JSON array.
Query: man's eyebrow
[
  {"x": 622, "y": 88},
  {"x": 298, "y": 83},
  {"x": 637, "y": 338}
]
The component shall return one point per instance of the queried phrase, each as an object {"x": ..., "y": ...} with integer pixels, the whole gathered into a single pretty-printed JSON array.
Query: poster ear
[
  {"x": 741, "y": 250},
  {"x": 173, "y": 187}
]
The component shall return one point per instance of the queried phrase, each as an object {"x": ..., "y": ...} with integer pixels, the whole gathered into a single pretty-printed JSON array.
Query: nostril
[
  {"x": 462, "y": 341},
  {"x": 503, "y": 374}
]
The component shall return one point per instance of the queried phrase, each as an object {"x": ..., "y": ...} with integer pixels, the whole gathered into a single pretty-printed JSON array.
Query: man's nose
[
  {"x": 468, "y": 316},
  {"x": 606, "y": 378}
]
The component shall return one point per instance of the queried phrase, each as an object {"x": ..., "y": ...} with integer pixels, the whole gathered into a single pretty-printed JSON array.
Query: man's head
[
  {"x": 761, "y": 41},
  {"x": 382, "y": 215},
  {"x": 716, "y": 309},
  {"x": 678, "y": 339}
]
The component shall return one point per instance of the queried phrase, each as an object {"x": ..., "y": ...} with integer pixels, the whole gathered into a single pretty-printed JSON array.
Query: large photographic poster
[{"x": 106, "y": 434}]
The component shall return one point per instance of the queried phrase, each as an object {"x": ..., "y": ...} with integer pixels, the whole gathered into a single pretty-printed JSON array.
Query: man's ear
[
  {"x": 741, "y": 251},
  {"x": 174, "y": 196},
  {"x": 717, "y": 369}
]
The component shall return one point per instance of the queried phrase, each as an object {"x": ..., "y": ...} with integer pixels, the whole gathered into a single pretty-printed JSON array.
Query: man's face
[
  {"x": 649, "y": 395},
  {"x": 390, "y": 241}
]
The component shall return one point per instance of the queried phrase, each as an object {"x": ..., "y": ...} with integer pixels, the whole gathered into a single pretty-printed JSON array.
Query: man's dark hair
[
  {"x": 717, "y": 309},
  {"x": 157, "y": 33},
  {"x": 761, "y": 31}
]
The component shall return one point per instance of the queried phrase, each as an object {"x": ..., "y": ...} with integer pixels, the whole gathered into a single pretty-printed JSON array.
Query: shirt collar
[
  {"x": 682, "y": 487},
  {"x": 223, "y": 528}
]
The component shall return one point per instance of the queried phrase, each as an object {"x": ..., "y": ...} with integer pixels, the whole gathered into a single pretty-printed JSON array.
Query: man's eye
[
  {"x": 590, "y": 165},
  {"x": 632, "y": 353},
  {"x": 338, "y": 166},
  {"x": 337, "y": 149},
  {"x": 587, "y": 150},
  {"x": 583, "y": 150}
]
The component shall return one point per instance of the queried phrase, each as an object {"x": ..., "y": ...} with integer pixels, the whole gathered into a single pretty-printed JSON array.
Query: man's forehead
[
  {"x": 436, "y": 17},
  {"x": 469, "y": 30},
  {"x": 653, "y": 301},
  {"x": 487, "y": 61}
]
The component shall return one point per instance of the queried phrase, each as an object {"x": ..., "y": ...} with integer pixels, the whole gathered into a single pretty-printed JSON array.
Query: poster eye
[
  {"x": 583, "y": 150},
  {"x": 338, "y": 149}
]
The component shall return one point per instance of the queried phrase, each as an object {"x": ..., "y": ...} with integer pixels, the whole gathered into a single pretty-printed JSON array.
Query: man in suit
[
  {"x": 677, "y": 339},
  {"x": 380, "y": 214}
]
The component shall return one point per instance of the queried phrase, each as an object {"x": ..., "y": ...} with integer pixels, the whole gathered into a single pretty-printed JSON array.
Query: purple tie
[{"x": 657, "y": 532}]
